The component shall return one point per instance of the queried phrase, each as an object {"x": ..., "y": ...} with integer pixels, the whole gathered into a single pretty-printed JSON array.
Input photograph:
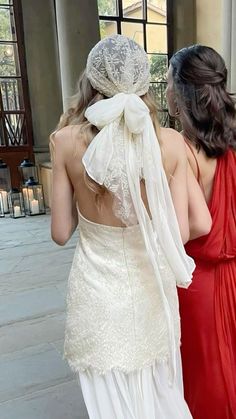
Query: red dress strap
[
  {"x": 195, "y": 158},
  {"x": 198, "y": 169}
]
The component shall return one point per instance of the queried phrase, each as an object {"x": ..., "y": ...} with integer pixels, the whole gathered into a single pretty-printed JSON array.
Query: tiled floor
[{"x": 35, "y": 382}]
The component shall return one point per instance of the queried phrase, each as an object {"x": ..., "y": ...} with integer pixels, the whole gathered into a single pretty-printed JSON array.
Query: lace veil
[{"x": 126, "y": 151}]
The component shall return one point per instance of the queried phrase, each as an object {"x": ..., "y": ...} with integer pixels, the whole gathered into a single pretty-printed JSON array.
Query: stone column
[
  {"x": 208, "y": 27},
  {"x": 78, "y": 32},
  {"x": 229, "y": 41},
  {"x": 43, "y": 71},
  {"x": 184, "y": 23}
]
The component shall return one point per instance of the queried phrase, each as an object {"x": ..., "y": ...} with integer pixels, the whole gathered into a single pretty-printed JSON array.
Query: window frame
[
  {"x": 27, "y": 130},
  {"x": 120, "y": 18}
]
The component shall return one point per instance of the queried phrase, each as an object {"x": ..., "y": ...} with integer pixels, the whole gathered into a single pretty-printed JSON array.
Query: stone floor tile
[
  {"x": 26, "y": 280},
  {"x": 30, "y": 370},
  {"x": 32, "y": 332},
  {"x": 63, "y": 401},
  {"x": 35, "y": 381},
  {"x": 30, "y": 304}
]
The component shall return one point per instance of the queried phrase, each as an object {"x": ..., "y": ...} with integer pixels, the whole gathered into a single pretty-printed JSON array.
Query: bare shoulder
[
  {"x": 172, "y": 141},
  {"x": 173, "y": 150},
  {"x": 64, "y": 140},
  {"x": 66, "y": 135}
]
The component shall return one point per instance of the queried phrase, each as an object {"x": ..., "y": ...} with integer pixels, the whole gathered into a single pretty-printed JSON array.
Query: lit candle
[
  {"x": 39, "y": 194},
  {"x": 1, "y": 205},
  {"x": 30, "y": 194},
  {"x": 25, "y": 195},
  {"x": 5, "y": 202},
  {"x": 17, "y": 211},
  {"x": 28, "y": 197},
  {"x": 34, "y": 206}
]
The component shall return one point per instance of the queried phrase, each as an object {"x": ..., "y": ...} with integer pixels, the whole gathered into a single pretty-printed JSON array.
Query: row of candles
[
  {"x": 28, "y": 200},
  {"x": 20, "y": 203}
]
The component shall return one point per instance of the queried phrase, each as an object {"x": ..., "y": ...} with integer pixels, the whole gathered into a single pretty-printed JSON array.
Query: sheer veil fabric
[{"x": 125, "y": 151}]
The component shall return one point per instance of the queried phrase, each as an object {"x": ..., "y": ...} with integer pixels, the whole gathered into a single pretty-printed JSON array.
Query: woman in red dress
[{"x": 197, "y": 95}]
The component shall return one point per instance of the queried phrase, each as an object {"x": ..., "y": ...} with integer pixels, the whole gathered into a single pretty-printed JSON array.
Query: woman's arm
[
  {"x": 178, "y": 186},
  {"x": 191, "y": 209},
  {"x": 64, "y": 217},
  {"x": 199, "y": 216}
]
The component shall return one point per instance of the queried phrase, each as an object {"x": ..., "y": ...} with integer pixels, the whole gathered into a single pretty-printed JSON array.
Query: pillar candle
[
  {"x": 25, "y": 195},
  {"x": 34, "y": 206},
  {"x": 5, "y": 201},
  {"x": 17, "y": 211},
  {"x": 1, "y": 205}
]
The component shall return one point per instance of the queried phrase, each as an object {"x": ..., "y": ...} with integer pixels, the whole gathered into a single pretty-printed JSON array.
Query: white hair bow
[{"x": 103, "y": 114}]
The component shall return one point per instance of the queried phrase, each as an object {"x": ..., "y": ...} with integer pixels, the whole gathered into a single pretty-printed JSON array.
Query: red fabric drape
[{"x": 208, "y": 307}]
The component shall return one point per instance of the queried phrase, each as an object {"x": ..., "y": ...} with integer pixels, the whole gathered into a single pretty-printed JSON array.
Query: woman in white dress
[{"x": 122, "y": 332}]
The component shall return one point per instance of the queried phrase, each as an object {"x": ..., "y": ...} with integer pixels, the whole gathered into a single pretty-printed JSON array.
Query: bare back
[
  {"x": 74, "y": 149},
  {"x": 84, "y": 196},
  {"x": 204, "y": 169}
]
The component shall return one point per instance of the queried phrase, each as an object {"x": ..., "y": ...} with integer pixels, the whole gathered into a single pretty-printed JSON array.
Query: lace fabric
[
  {"x": 125, "y": 147},
  {"x": 126, "y": 150},
  {"x": 117, "y": 64},
  {"x": 116, "y": 180},
  {"x": 115, "y": 316}
]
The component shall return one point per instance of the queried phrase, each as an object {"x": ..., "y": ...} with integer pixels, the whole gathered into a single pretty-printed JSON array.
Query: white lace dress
[{"x": 116, "y": 331}]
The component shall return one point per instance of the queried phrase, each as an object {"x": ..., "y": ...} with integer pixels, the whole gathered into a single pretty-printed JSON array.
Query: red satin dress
[{"x": 208, "y": 306}]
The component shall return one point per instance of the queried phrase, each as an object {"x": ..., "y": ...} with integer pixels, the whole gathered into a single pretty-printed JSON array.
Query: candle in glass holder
[
  {"x": 34, "y": 206},
  {"x": 28, "y": 197},
  {"x": 17, "y": 211},
  {"x": 39, "y": 194},
  {"x": 25, "y": 195},
  {"x": 5, "y": 201},
  {"x": 1, "y": 206}
]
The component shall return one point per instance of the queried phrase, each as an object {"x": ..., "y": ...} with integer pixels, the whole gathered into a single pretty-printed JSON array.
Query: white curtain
[{"x": 229, "y": 40}]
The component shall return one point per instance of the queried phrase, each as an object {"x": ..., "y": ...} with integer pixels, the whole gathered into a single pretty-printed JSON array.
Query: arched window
[{"x": 148, "y": 22}]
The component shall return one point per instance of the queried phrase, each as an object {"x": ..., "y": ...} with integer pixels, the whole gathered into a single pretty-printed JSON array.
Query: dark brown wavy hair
[{"x": 207, "y": 110}]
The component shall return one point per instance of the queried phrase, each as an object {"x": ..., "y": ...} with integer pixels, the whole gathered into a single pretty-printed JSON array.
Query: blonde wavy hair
[{"x": 86, "y": 96}]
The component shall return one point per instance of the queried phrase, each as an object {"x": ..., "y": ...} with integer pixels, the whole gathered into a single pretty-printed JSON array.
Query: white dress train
[{"x": 143, "y": 394}]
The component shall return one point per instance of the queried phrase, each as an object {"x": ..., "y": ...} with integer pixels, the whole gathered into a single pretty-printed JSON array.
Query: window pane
[
  {"x": 163, "y": 118},
  {"x": 159, "y": 91},
  {"x": 107, "y": 28},
  {"x": 133, "y": 31},
  {"x": 156, "y": 11},
  {"x": 158, "y": 67},
  {"x": 133, "y": 9},
  {"x": 9, "y": 61},
  {"x": 15, "y": 127},
  {"x": 7, "y": 24},
  {"x": 107, "y": 7},
  {"x": 2, "y": 136},
  {"x": 157, "y": 38},
  {"x": 12, "y": 95}
]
